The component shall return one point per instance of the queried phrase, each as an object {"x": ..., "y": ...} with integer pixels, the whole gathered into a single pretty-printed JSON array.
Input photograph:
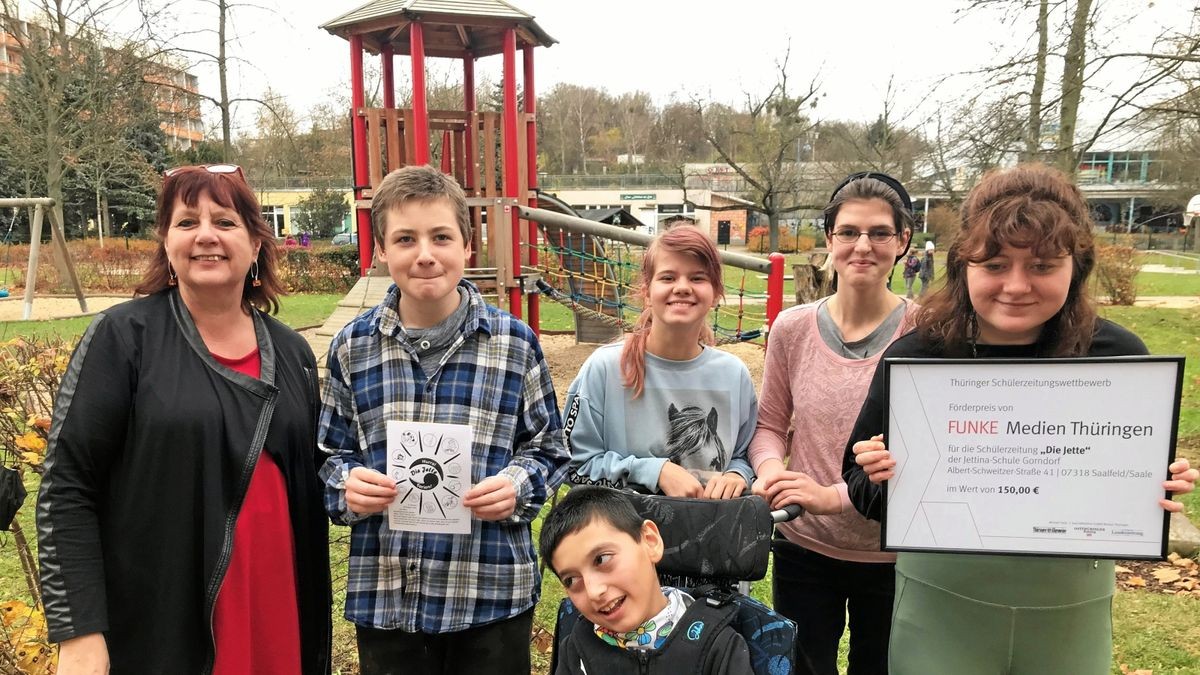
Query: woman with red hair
[{"x": 180, "y": 521}]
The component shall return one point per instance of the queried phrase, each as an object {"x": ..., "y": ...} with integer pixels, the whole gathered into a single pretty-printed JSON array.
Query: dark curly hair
[{"x": 1029, "y": 206}]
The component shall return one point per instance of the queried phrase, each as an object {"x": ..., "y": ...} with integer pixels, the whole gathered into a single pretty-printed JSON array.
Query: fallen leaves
[
  {"x": 23, "y": 634},
  {"x": 1175, "y": 576}
]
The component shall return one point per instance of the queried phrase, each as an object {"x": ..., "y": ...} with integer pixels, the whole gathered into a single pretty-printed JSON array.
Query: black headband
[
  {"x": 882, "y": 178},
  {"x": 886, "y": 180}
]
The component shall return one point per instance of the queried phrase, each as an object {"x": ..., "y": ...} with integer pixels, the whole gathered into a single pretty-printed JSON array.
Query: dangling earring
[
  {"x": 172, "y": 279},
  {"x": 254, "y": 280}
]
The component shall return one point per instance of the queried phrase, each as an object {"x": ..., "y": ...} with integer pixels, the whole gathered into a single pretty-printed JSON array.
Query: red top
[{"x": 256, "y": 621}]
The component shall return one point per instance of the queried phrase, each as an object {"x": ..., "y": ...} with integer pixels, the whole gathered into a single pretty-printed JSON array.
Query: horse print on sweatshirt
[{"x": 692, "y": 438}]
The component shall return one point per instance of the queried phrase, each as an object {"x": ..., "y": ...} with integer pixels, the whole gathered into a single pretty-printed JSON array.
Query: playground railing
[{"x": 592, "y": 268}]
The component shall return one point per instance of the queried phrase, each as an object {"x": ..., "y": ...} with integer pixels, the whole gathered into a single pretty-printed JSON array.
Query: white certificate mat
[
  {"x": 431, "y": 464},
  {"x": 1040, "y": 456}
]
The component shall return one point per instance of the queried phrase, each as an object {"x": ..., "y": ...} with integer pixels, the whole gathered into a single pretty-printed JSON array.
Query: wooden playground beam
[{"x": 43, "y": 207}]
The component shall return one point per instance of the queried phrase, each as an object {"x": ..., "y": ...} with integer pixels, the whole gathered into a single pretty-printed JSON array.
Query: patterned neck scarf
[{"x": 653, "y": 633}]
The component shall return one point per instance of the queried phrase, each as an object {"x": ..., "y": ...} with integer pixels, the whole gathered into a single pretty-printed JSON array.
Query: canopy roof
[
  {"x": 620, "y": 215},
  {"x": 451, "y": 27}
]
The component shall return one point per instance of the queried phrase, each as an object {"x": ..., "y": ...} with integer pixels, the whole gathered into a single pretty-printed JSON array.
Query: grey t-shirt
[
  {"x": 431, "y": 344},
  {"x": 875, "y": 342}
]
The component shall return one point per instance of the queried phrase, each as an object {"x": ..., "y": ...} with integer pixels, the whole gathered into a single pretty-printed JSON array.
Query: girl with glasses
[
  {"x": 180, "y": 521},
  {"x": 819, "y": 361}
]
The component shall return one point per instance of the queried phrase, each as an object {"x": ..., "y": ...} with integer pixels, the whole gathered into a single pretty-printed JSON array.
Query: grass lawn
[
  {"x": 298, "y": 311},
  {"x": 1184, "y": 259},
  {"x": 1164, "y": 283}
]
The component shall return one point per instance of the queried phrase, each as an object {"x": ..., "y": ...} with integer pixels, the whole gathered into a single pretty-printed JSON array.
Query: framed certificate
[{"x": 1062, "y": 457}]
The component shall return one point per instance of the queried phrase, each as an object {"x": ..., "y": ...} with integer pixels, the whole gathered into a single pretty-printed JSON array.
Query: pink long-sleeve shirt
[{"x": 816, "y": 393}]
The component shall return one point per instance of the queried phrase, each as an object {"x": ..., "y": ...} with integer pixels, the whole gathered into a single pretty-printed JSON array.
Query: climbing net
[{"x": 597, "y": 279}]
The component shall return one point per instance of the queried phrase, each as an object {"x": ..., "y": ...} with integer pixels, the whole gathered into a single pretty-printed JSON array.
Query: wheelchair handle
[{"x": 789, "y": 512}]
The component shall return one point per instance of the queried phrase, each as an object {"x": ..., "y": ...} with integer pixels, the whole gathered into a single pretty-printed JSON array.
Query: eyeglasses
[
  {"x": 211, "y": 168},
  {"x": 850, "y": 235}
]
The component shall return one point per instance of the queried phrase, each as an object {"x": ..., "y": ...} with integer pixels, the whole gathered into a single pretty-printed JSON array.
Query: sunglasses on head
[{"x": 211, "y": 168}]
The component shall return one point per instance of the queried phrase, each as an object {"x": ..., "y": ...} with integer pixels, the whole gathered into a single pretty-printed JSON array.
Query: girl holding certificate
[
  {"x": 819, "y": 362},
  {"x": 1016, "y": 286}
]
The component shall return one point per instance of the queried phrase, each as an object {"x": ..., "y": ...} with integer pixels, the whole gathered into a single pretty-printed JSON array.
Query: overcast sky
[{"x": 684, "y": 48}]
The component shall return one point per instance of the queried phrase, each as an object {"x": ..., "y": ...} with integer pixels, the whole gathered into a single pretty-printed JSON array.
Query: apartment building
[{"x": 176, "y": 97}]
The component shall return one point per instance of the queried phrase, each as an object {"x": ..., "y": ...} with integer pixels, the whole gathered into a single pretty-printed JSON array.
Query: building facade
[{"x": 176, "y": 94}]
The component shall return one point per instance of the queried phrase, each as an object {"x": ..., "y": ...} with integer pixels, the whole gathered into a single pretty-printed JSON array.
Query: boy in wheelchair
[{"x": 605, "y": 554}]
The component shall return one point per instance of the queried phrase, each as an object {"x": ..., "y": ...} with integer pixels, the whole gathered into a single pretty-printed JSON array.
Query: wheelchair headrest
[{"x": 714, "y": 538}]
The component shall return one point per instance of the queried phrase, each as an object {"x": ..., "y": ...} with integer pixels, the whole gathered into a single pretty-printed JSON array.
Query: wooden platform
[{"x": 368, "y": 292}]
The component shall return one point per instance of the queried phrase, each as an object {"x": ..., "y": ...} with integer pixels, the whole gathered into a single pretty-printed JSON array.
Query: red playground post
[{"x": 774, "y": 289}]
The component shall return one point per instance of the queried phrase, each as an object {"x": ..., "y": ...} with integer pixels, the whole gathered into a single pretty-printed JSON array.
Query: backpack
[
  {"x": 912, "y": 265},
  {"x": 769, "y": 636}
]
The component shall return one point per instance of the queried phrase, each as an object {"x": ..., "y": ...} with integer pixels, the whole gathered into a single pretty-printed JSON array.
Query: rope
[{"x": 723, "y": 336}]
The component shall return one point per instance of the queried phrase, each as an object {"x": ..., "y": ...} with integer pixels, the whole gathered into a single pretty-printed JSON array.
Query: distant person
[
  {"x": 180, "y": 523},
  {"x": 605, "y": 555},
  {"x": 434, "y": 351},
  {"x": 912, "y": 266},
  {"x": 927, "y": 271},
  {"x": 664, "y": 411}
]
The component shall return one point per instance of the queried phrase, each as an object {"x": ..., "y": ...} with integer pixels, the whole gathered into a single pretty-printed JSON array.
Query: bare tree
[
  {"x": 889, "y": 144},
  {"x": 760, "y": 143},
  {"x": 221, "y": 60},
  {"x": 1087, "y": 75},
  {"x": 71, "y": 102},
  {"x": 966, "y": 141},
  {"x": 636, "y": 114}
]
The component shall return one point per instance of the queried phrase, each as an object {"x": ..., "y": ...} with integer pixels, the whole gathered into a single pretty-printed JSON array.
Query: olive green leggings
[{"x": 936, "y": 632}]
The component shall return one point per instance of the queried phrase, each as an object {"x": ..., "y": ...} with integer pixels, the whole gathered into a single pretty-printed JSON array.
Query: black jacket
[
  {"x": 151, "y": 450},
  {"x": 867, "y": 497},
  {"x": 689, "y": 650}
]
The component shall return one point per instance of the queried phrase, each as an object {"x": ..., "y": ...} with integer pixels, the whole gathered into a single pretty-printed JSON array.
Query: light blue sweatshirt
[{"x": 698, "y": 413}]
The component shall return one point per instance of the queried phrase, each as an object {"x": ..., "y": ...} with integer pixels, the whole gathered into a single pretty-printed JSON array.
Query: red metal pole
[
  {"x": 774, "y": 288},
  {"x": 389, "y": 79},
  {"x": 534, "y": 299},
  {"x": 510, "y": 158},
  {"x": 469, "y": 136},
  {"x": 420, "y": 131},
  {"x": 358, "y": 134}
]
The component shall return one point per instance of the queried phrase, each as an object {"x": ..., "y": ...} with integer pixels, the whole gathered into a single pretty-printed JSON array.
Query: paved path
[
  {"x": 1164, "y": 269},
  {"x": 1169, "y": 301},
  {"x": 54, "y": 307}
]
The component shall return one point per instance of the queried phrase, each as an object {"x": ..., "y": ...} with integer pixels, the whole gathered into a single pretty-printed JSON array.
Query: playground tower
[{"x": 469, "y": 142}]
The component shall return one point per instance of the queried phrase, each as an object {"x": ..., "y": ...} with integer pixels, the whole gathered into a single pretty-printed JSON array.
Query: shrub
[
  {"x": 1116, "y": 267},
  {"x": 30, "y": 372},
  {"x": 332, "y": 270},
  {"x": 789, "y": 242},
  {"x": 322, "y": 212},
  {"x": 942, "y": 224},
  {"x": 118, "y": 266}
]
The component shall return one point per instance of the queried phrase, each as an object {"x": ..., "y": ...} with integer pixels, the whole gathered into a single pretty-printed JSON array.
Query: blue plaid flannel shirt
[{"x": 495, "y": 378}]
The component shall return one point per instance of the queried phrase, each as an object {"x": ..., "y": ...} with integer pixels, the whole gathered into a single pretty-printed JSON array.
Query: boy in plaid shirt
[{"x": 434, "y": 351}]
